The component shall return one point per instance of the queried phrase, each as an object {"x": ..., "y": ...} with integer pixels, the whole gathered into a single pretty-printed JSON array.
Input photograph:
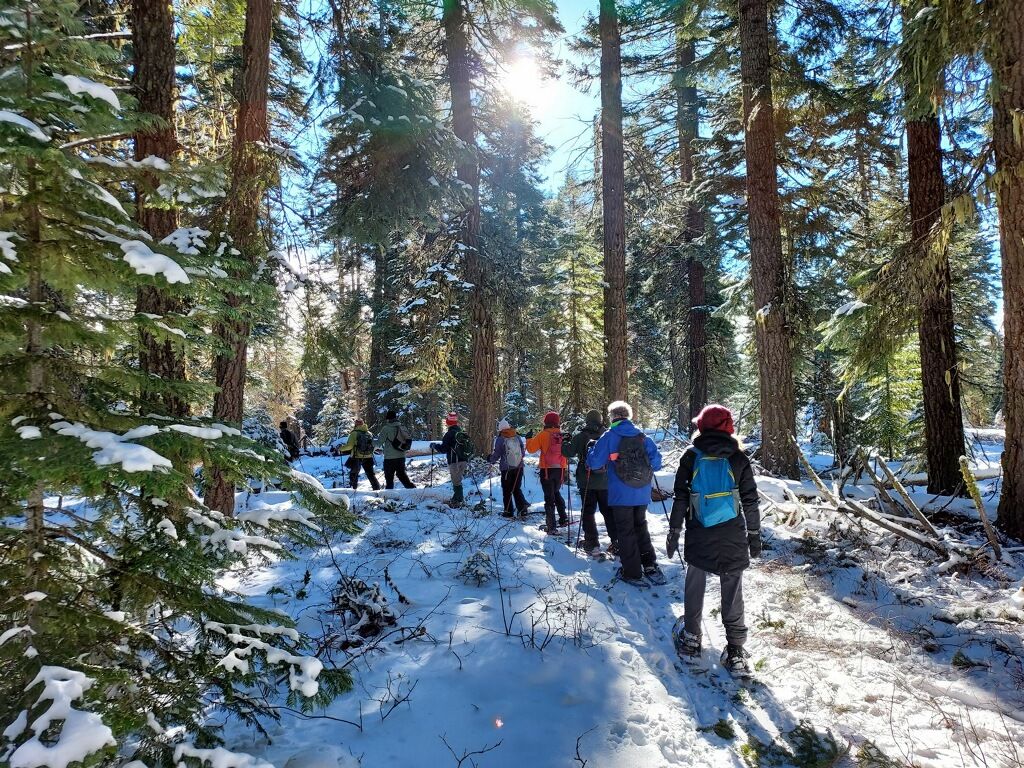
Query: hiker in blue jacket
[{"x": 631, "y": 459}]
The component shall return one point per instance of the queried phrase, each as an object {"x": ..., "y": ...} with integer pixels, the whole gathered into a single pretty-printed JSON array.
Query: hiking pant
[
  {"x": 635, "y": 549},
  {"x": 512, "y": 491},
  {"x": 367, "y": 465},
  {"x": 592, "y": 500},
  {"x": 732, "y": 604},
  {"x": 551, "y": 483},
  {"x": 457, "y": 470},
  {"x": 396, "y": 468}
]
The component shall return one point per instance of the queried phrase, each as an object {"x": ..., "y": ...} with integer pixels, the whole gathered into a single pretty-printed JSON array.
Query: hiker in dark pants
[
  {"x": 593, "y": 485},
  {"x": 290, "y": 443},
  {"x": 392, "y": 436},
  {"x": 509, "y": 452},
  {"x": 552, "y": 470},
  {"x": 458, "y": 450},
  {"x": 360, "y": 448},
  {"x": 631, "y": 459},
  {"x": 714, "y": 485}
]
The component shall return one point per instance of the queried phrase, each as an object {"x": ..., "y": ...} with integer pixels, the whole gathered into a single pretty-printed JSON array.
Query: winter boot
[
  {"x": 524, "y": 513},
  {"x": 613, "y": 549},
  {"x": 590, "y": 547},
  {"x": 654, "y": 575},
  {"x": 457, "y": 498},
  {"x": 734, "y": 659},
  {"x": 687, "y": 646},
  {"x": 631, "y": 581}
]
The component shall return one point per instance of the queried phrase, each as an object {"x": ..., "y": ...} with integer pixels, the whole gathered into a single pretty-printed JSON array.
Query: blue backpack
[{"x": 714, "y": 497}]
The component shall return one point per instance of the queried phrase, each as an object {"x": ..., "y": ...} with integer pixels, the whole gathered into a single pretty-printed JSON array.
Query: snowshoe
[
  {"x": 550, "y": 530},
  {"x": 734, "y": 660},
  {"x": 655, "y": 576},
  {"x": 687, "y": 646},
  {"x": 640, "y": 583},
  {"x": 507, "y": 515},
  {"x": 590, "y": 547}
]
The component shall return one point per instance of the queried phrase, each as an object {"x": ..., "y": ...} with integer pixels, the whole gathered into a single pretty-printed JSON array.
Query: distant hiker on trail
[
  {"x": 552, "y": 469},
  {"x": 631, "y": 459},
  {"x": 509, "y": 452},
  {"x": 396, "y": 442},
  {"x": 713, "y": 485},
  {"x": 592, "y": 484},
  {"x": 360, "y": 449},
  {"x": 458, "y": 449},
  {"x": 290, "y": 442}
]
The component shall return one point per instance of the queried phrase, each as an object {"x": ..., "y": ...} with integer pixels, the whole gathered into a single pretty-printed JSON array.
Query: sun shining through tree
[{"x": 524, "y": 81}]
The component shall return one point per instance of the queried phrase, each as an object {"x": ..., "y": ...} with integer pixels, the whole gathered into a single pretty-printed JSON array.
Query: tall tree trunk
[
  {"x": 1006, "y": 57},
  {"x": 381, "y": 336},
  {"x": 153, "y": 85},
  {"x": 248, "y": 183},
  {"x": 687, "y": 120},
  {"x": 768, "y": 269},
  {"x": 483, "y": 388},
  {"x": 940, "y": 378},
  {"x": 613, "y": 198}
]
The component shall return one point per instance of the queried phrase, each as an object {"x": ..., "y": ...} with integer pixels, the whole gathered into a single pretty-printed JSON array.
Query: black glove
[
  {"x": 528, "y": 435},
  {"x": 672, "y": 542},
  {"x": 754, "y": 543}
]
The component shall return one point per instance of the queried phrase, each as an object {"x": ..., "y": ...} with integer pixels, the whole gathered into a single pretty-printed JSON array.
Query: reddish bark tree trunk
[
  {"x": 153, "y": 85},
  {"x": 768, "y": 268},
  {"x": 1006, "y": 57},
  {"x": 248, "y": 183},
  {"x": 616, "y": 366},
  {"x": 483, "y": 387},
  {"x": 940, "y": 378},
  {"x": 687, "y": 120}
]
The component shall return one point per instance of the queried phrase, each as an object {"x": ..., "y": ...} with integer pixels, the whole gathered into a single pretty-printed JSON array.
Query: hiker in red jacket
[{"x": 552, "y": 469}]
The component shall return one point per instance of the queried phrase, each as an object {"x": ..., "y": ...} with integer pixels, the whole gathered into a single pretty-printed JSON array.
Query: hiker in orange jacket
[{"x": 552, "y": 469}]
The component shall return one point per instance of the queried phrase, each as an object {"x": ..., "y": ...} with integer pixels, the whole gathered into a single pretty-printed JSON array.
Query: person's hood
[
  {"x": 508, "y": 432},
  {"x": 360, "y": 428},
  {"x": 717, "y": 444},
  {"x": 625, "y": 428},
  {"x": 594, "y": 422}
]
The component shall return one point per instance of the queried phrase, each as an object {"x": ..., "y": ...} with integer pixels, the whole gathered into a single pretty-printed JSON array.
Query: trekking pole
[
  {"x": 668, "y": 520},
  {"x": 568, "y": 494},
  {"x": 430, "y": 481},
  {"x": 583, "y": 504}
]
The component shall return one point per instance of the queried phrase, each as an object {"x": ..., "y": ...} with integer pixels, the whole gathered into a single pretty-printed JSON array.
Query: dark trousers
[
  {"x": 592, "y": 500},
  {"x": 732, "y": 604},
  {"x": 396, "y": 468},
  {"x": 635, "y": 549},
  {"x": 551, "y": 483},
  {"x": 367, "y": 465},
  {"x": 512, "y": 491}
]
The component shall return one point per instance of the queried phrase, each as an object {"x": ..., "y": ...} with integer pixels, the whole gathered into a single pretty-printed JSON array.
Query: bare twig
[
  {"x": 972, "y": 486},
  {"x": 909, "y": 502}
]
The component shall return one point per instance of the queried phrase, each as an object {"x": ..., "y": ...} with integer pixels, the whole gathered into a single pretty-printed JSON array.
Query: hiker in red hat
[
  {"x": 552, "y": 469},
  {"x": 716, "y": 497},
  {"x": 458, "y": 449}
]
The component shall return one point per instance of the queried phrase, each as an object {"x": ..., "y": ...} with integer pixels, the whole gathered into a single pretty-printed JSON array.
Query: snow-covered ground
[{"x": 508, "y": 649}]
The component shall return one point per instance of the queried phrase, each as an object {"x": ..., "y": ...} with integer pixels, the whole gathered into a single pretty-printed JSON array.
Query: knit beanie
[
  {"x": 715, "y": 417},
  {"x": 452, "y": 419},
  {"x": 503, "y": 425},
  {"x": 552, "y": 419}
]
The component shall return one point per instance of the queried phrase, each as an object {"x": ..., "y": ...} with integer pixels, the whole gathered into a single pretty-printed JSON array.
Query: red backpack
[{"x": 552, "y": 456}]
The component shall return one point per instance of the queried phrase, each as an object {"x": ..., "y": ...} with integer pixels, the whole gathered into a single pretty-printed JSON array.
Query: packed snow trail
[{"x": 540, "y": 665}]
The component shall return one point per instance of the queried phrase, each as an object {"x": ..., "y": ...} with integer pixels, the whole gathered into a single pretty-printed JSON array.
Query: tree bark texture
[
  {"x": 687, "y": 121},
  {"x": 153, "y": 84},
  {"x": 613, "y": 200},
  {"x": 1006, "y": 57},
  {"x": 768, "y": 269},
  {"x": 248, "y": 183},
  {"x": 483, "y": 389},
  {"x": 940, "y": 378}
]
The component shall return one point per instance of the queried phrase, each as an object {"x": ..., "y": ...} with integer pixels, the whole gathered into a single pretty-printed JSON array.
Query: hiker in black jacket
[
  {"x": 456, "y": 447},
  {"x": 290, "y": 443},
  {"x": 724, "y": 548},
  {"x": 592, "y": 484}
]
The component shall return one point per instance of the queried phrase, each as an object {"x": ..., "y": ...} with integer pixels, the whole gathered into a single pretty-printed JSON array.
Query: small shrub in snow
[
  {"x": 362, "y": 610},
  {"x": 477, "y": 569}
]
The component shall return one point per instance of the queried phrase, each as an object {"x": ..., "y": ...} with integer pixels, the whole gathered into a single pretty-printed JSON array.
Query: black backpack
[
  {"x": 401, "y": 441},
  {"x": 633, "y": 467},
  {"x": 463, "y": 448},
  {"x": 364, "y": 442}
]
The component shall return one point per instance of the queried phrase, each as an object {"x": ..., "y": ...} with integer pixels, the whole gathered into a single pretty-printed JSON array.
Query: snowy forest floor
[{"x": 866, "y": 653}]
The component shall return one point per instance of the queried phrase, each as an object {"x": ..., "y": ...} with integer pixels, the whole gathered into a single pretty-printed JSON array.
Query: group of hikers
[{"x": 715, "y": 499}]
